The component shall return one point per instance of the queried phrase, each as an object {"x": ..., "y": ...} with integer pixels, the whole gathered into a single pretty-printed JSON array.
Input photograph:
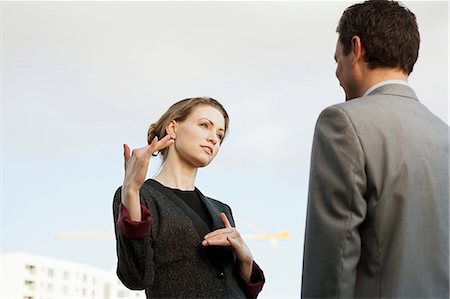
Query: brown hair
[
  {"x": 388, "y": 33},
  {"x": 179, "y": 112}
]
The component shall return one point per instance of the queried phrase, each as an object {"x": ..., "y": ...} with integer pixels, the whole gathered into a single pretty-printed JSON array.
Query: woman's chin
[{"x": 202, "y": 162}]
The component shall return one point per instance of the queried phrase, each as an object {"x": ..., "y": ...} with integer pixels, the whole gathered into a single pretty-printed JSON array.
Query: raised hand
[
  {"x": 229, "y": 236},
  {"x": 136, "y": 166}
]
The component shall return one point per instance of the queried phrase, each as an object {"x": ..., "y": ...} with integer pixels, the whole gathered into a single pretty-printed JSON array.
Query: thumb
[
  {"x": 126, "y": 154},
  {"x": 224, "y": 219}
]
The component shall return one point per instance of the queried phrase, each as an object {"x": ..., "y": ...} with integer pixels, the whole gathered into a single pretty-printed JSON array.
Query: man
[{"x": 377, "y": 222}]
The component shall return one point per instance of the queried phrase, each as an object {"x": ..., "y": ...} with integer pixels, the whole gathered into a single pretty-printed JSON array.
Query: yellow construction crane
[{"x": 108, "y": 234}]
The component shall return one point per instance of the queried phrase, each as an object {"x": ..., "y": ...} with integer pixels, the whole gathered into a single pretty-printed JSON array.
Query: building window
[
  {"x": 30, "y": 284},
  {"x": 50, "y": 272},
  {"x": 84, "y": 278},
  {"x": 50, "y": 287},
  {"x": 83, "y": 292},
  {"x": 66, "y": 275},
  {"x": 65, "y": 290},
  {"x": 31, "y": 268}
]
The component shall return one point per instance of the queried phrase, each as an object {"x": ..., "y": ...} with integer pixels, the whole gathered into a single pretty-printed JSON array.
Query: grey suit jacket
[
  {"x": 378, "y": 206},
  {"x": 170, "y": 262}
]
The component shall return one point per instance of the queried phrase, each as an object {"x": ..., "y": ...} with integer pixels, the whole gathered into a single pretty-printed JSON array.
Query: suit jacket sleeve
[
  {"x": 135, "y": 267},
  {"x": 336, "y": 208}
]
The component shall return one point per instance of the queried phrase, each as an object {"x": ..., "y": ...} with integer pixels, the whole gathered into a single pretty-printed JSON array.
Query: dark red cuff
[
  {"x": 133, "y": 229},
  {"x": 254, "y": 286}
]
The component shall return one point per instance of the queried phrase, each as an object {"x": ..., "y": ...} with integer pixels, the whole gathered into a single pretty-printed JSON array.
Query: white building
[{"x": 27, "y": 276}]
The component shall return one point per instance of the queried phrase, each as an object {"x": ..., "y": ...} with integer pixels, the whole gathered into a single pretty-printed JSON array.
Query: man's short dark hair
[{"x": 388, "y": 33}]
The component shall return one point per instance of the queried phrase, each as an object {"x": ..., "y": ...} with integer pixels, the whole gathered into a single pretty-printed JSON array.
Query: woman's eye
[
  {"x": 205, "y": 125},
  {"x": 220, "y": 136}
]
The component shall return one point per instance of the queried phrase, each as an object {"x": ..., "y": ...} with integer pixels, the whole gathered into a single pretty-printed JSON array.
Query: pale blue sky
[{"x": 81, "y": 78}]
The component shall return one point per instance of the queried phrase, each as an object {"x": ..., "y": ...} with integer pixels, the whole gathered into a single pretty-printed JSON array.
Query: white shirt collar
[{"x": 373, "y": 87}]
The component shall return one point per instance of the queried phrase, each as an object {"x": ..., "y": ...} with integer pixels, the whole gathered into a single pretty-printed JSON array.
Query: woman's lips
[{"x": 207, "y": 149}]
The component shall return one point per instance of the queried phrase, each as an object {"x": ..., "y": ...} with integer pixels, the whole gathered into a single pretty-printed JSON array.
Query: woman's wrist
[
  {"x": 129, "y": 195},
  {"x": 131, "y": 201},
  {"x": 130, "y": 187},
  {"x": 246, "y": 263},
  {"x": 246, "y": 268}
]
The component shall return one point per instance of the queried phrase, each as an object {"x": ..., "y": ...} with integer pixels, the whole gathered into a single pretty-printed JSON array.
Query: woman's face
[{"x": 199, "y": 136}]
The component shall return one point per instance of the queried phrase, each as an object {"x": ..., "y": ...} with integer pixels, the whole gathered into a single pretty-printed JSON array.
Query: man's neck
[{"x": 378, "y": 75}]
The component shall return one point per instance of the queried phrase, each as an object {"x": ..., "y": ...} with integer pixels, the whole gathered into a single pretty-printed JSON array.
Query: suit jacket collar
[
  {"x": 201, "y": 227},
  {"x": 395, "y": 90}
]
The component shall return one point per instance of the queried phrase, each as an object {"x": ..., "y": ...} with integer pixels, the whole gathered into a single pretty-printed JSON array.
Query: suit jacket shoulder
[{"x": 392, "y": 152}]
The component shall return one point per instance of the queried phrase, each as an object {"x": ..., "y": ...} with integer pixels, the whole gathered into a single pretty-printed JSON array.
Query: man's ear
[
  {"x": 357, "y": 49},
  {"x": 171, "y": 129}
]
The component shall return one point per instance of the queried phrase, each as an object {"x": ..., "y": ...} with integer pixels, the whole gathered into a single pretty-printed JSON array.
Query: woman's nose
[{"x": 213, "y": 139}]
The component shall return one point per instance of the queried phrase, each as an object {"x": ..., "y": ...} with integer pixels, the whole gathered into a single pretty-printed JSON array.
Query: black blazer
[{"x": 170, "y": 262}]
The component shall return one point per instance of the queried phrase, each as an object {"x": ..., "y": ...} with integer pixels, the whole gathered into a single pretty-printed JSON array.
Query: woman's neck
[{"x": 177, "y": 175}]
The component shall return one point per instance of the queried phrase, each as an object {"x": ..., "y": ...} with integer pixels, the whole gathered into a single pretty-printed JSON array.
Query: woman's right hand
[{"x": 136, "y": 166}]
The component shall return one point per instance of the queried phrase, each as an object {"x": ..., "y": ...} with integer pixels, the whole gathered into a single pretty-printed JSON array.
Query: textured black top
[{"x": 192, "y": 199}]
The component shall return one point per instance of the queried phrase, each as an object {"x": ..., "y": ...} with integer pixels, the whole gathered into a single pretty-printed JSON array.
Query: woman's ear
[{"x": 171, "y": 129}]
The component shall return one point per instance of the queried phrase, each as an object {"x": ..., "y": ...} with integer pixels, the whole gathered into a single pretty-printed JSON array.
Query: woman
[{"x": 172, "y": 240}]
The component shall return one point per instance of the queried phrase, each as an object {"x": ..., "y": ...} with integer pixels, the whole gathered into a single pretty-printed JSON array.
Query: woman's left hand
[{"x": 229, "y": 236}]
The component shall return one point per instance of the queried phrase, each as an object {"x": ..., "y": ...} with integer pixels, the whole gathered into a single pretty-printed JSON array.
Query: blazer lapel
[
  {"x": 218, "y": 255},
  {"x": 199, "y": 224},
  {"x": 215, "y": 214}
]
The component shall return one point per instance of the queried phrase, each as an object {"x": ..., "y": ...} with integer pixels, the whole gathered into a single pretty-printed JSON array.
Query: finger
[
  {"x": 151, "y": 147},
  {"x": 126, "y": 155},
  {"x": 216, "y": 242},
  {"x": 164, "y": 143},
  {"x": 165, "y": 138},
  {"x": 168, "y": 143},
  {"x": 154, "y": 141},
  {"x": 220, "y": 231},
  {"x": 224, "y": 219}
]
